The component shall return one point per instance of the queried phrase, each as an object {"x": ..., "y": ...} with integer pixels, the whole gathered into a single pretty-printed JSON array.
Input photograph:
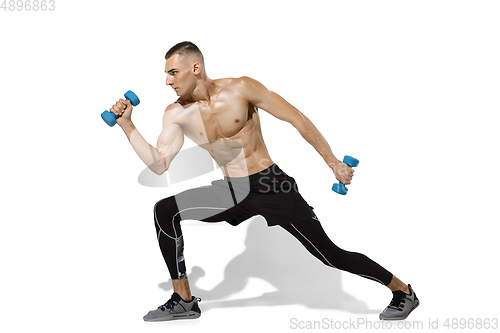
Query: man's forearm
[
  {"x": 148, "y": 154},
  {"x": 312, "y": 135}
]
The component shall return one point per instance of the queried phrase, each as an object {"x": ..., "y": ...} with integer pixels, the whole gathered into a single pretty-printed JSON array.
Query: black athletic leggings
[{"x": 308, "y": 232}]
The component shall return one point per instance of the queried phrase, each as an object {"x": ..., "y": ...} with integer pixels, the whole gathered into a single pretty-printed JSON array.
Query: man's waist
[{"x": 274, "y": 171}]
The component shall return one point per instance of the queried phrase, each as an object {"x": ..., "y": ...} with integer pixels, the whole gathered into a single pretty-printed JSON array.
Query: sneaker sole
[
  {"x": 186, "y": 315},
  {"x": 417, "y": 303}
]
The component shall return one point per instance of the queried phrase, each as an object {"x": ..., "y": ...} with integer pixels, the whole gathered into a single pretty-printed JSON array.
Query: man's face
[{"x": 180, "y": 76}]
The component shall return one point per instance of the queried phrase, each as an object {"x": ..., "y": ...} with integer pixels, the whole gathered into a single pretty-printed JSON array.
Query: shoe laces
[
  {"x": 398, "y": 299},
  {"x": 171, "y": 303},
  {"x": 168, "y": 305}
]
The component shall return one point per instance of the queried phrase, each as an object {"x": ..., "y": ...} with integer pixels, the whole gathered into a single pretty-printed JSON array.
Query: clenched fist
[
  {"x": 123, "y": 109},
  {"x": 343, "y": 173}
]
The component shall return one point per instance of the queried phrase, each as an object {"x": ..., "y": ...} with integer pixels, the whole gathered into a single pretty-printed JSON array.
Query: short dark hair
[{"x": 185, "y": 48}]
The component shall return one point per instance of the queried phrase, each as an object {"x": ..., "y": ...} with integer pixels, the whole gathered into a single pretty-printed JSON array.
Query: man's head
[{"x": 184, "y": 66}]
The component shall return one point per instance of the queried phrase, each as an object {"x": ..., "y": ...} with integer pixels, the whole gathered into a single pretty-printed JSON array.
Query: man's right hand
[{"x": 119, "y": 109}]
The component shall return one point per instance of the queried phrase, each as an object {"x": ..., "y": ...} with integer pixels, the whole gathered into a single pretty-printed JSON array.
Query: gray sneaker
[
  {"x": 175, "y": 308},
  {"x": 401, "y": 305}
]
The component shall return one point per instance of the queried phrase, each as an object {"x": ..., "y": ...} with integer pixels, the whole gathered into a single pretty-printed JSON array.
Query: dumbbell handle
[
  {"x": 125, "y": 108},
  {"x": 110, "y": 118},
  {"x": 340, "y": 187}
]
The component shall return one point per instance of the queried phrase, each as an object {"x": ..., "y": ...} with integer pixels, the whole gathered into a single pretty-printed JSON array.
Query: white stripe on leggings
[
  {"x": 371, "y": 277},
  {"x": 176, "y": 238},
  {"x": 173, "y": 227}
]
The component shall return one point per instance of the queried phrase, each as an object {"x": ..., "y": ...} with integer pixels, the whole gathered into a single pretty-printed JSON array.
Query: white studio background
[{"x": 408, "y": 87}]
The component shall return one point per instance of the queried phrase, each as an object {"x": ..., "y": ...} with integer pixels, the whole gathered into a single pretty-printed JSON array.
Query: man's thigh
[{"x": 202, "y": 204}]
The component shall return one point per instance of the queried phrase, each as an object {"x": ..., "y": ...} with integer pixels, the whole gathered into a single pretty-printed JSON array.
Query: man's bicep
[{"x": 170, "y": 142}]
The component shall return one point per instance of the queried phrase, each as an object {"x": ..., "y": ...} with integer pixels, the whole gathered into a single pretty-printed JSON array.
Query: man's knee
[{"x": 165, "y": 212}]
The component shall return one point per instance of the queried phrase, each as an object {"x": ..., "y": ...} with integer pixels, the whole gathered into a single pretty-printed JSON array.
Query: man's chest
[{"x": 224, "y": 118}]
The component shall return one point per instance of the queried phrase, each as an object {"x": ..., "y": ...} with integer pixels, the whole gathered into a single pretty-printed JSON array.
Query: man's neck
[{"x": 203, "y": 90}]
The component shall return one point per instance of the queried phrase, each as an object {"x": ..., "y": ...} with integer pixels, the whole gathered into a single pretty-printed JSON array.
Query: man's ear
[{"x": 196, "y": 68}]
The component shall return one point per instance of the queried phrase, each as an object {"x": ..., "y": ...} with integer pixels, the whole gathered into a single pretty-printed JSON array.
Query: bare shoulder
[
  {"x": 172, "y": 109},
  {"x": 245, "y": 82},
  {"x": 180, "y": 113},
  {"x": 172, "y": 106},
  {"x": 172, "y": 113},
  {"x": 247, "y": 87},
  {"x": 251, "y": 90}
]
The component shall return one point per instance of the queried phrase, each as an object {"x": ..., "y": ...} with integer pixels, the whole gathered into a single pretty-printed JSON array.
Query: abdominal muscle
[{"x": 238, "y": 160}]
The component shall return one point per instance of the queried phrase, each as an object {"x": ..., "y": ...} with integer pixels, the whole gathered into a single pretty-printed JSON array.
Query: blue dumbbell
[
  {"x": 339, "y": 187},
  {"x": 110, "y": 118}
]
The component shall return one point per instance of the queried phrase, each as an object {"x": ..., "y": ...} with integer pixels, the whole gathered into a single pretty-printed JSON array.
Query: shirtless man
[{"x": 222, "y": 117}]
